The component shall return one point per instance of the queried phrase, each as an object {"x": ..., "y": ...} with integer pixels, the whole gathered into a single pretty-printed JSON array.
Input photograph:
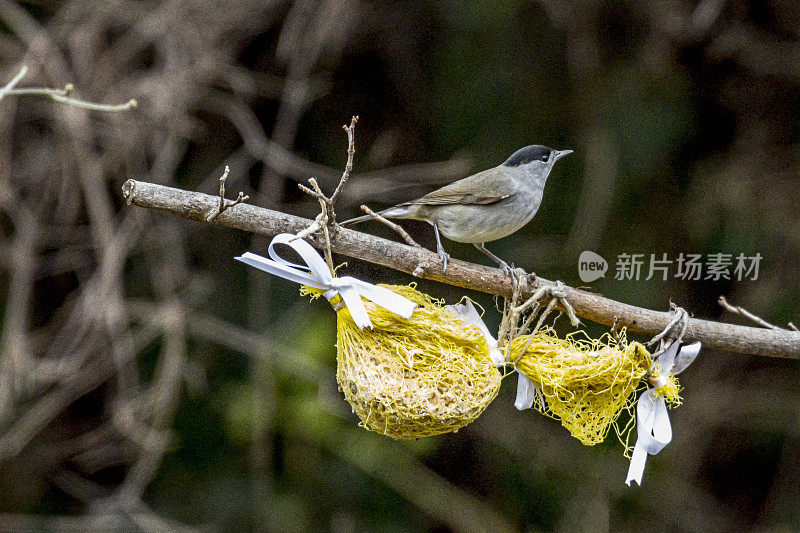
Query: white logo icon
[{"x": 591, "y": 266}]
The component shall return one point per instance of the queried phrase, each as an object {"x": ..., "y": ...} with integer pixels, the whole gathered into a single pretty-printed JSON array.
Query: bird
[{"x": 483, "y": 207}]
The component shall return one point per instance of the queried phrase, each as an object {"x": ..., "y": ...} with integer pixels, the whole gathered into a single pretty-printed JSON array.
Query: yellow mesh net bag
[
  {"x": 416, "y": 377},
  {"x": 416, "y": 368},
  {"x": 586, "y": 383}
]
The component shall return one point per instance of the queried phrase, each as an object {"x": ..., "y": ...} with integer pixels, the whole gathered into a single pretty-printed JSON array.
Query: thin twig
[
  {"x": 223, "y": 203},
  {"x": 311, "y": 192},
  {"x": 327, "y": 216},
  {"x": 739, "y": 310},
  {"x": 396, "y": 227},
  {"x": 327, "y": 208},
  {"x": 222, "y": 180},
  {"x": 60, "y": 95},
  {"x": 321, "y": 222},
  {"x": 14, "y": 81},
  {"x": 351, "y": 150}
]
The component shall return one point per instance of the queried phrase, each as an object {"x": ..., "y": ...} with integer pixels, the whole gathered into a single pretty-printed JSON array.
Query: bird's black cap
[{"x": 526, "y": 155}]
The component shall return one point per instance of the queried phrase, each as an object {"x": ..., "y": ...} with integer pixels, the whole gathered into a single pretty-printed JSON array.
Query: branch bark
[{"x": 423, "y": 263}]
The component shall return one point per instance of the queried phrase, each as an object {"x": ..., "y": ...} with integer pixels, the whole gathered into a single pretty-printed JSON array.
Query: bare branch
[
  {"x": 326, "y": 204},
  {"x": 223, "y": 203},
  {"x": 715, "y": 335},
  {"x": 351, "y": 150},
  {"x": 14, "y": 81},
  {"x": 396, "y": 227},
  {"x": 64, "y": 99},
  {"x": 312, "y": 192},
  {"x": 326, "y": 213},
  {"x": 738, "y": 310},
  {"x": 60, "y": 95}
]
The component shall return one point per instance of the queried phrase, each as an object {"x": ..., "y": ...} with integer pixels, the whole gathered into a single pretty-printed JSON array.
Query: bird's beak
[{"x": 560, "y": 153}]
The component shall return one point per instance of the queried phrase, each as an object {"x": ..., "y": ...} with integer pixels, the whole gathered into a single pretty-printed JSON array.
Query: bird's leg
[
  {"x": 440, "y": 249},
  {"x": 502, "y": 264}
]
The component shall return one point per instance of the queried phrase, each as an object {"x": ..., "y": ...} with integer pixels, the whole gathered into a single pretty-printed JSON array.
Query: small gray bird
[{"x": 486, "y": 206}]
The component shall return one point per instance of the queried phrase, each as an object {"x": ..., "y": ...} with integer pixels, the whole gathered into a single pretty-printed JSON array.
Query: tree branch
[
  {"x": 59, "y": 95},
  {"x": 426, "y": 264},
  {"x": 223, "y": 203},
  {"x": 394, "y": 227},
  {"x": 738, "y": 310}
]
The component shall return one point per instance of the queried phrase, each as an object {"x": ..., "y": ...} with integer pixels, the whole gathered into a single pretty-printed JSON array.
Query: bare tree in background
[{"x": 71, "y": 328}]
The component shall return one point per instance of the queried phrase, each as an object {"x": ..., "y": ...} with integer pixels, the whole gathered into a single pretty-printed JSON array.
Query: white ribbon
[
  {"x": 653, "y": 428},
  {"x": 316, "y": 274},
  {"x": 526, "y": 390},
  {"x": 468, "y": 312}
]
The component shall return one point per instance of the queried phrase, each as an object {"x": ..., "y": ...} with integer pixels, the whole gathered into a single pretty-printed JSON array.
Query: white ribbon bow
[
  {"x": 652, "y": 425},
  {"x": 316, "y": 274}
]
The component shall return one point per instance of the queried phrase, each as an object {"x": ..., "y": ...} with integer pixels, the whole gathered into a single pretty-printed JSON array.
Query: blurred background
[{"x": 149, "y": 382}]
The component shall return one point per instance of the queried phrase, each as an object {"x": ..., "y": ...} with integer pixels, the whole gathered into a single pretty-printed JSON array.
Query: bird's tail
[{"x": 398, "y": 211}]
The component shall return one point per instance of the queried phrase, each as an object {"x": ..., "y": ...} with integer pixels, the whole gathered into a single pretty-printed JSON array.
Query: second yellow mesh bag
[{"x": 585, "y": 383}]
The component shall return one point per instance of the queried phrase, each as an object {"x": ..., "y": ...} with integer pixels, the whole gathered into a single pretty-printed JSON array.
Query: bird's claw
[
  {"x": 509, "y": 271},
  {"x": 444, "y": 256}
]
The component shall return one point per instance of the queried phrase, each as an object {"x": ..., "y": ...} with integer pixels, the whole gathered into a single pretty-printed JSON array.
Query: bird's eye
[{"x": 545, "y": 157}]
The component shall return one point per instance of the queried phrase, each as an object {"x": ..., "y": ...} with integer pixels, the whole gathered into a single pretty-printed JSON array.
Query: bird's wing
[{"x": 483, "y": 188}]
